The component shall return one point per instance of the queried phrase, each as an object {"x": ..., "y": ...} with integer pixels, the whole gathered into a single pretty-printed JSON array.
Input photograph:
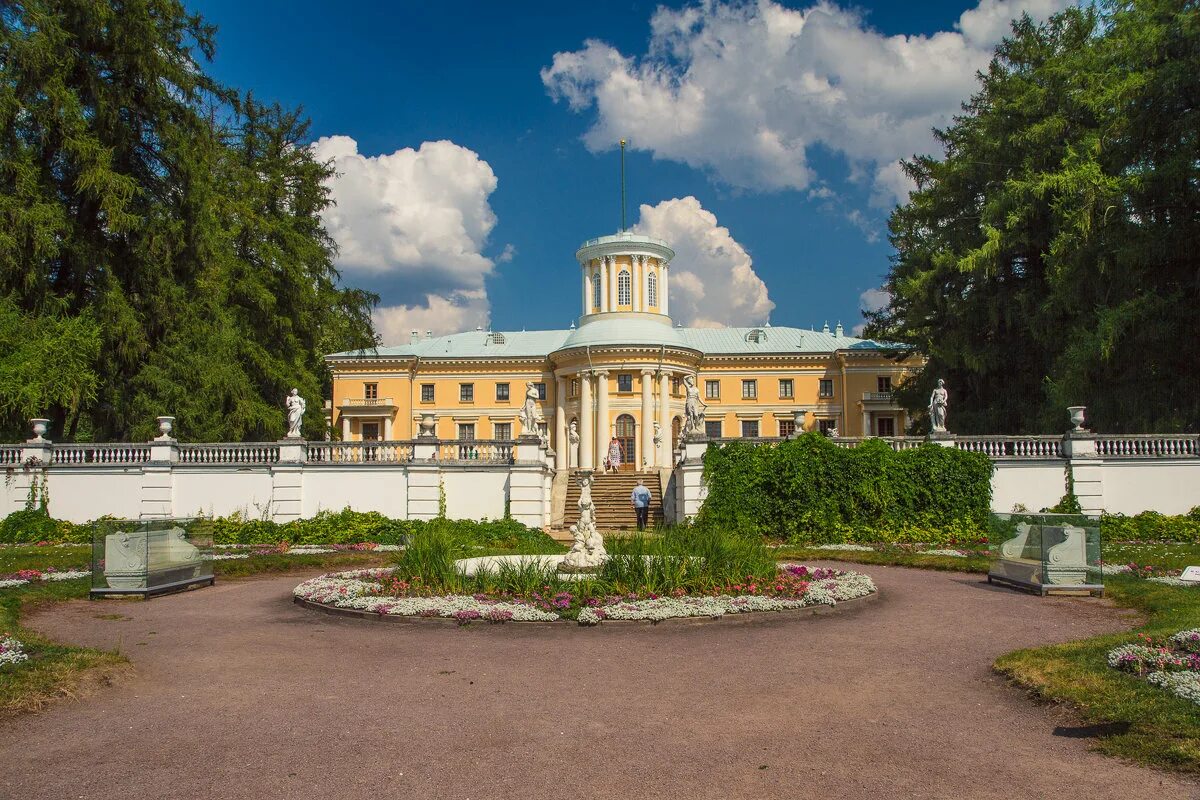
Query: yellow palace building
[{"x": 621, "y": 372}]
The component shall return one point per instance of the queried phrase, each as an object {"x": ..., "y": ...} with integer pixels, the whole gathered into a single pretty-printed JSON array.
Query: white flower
[
  {"x": 854, "y": 547},
  {"x": 11, "y": 652},
  {"x": 944, "y": 552},
  {"x": 1180, "y": 684},
  {"x": 11, "y": 582},
  {"x": 65, "y": 575}
]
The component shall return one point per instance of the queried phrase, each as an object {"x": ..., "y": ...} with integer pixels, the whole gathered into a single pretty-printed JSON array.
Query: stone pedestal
[
  {"x": 287, "y": 481},
  {"x": 690, "y": 489},
  {"x": 942, "y": 438},
  {"x": 1087, "y": 470},
  {"x": 528, "y": 484}
]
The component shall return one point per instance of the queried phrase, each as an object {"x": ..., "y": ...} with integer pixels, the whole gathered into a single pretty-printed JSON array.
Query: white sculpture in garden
[
  {"x": 693, "y": 408},
  {"x": 573, "y": 449},
  {"x": 529, "y": 411},
  {"x": 588, "y": 551},
  {"x": 295, "y": 413},
  {"x": 939, "y": 402}
]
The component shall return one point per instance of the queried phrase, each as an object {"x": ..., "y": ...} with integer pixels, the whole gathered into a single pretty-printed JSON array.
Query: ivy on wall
[{"x": 809, "y": 488}]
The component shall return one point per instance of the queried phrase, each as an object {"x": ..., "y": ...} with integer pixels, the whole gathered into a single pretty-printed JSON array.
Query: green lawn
[
  {"x": 1167, "y": 555},
  {"x": 1144, "y": 723},
  {"x": 894, "y": 557}
]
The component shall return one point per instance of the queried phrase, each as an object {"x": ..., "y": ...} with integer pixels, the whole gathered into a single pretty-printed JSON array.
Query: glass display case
[
  {"x": 150, "y": 556},
  {"x": 1047, "y": 553}
]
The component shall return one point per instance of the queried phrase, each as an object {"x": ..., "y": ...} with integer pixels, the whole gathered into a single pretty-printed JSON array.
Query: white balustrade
[
  {"x": 360, "y": 452},
  {"x": 1148, "y": 446},
  {"x": 485, "y": 451},
  {"x": 100, "y": 454},
  {"x": 253, "y": 453},
  {"x": 10, "y": 454}
]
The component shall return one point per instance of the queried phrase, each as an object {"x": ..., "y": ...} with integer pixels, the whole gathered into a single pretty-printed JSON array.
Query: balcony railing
[
  {"x": 877, "y": 397},
  {"x": 249, "y": 453},
  {"x": 100, "y": 454},
  {"x": 1148, "y": 446},
  {"x": 368, "y": 402}
]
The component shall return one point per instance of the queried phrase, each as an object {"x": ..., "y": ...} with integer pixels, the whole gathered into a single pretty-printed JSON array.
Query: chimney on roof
[
  {"x": 415, "y": 336},
  {"x": 428, "y": 334},
  {"x": 838, "y": 329}
]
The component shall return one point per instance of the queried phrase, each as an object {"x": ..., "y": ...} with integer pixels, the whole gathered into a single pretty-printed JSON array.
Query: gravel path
[{"x": 241, "y": 694}]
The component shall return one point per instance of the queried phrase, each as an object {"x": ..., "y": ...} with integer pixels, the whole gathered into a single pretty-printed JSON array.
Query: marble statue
[
  {"x": 657, "y": 435},
  {"x": 587, "y": 553},
  {"x": 529, "y": 411},
  {"x": 693, "y": 408},
  {"x": 573, "y": 442},
  {"x": 295, "y": 413},
  {"x": 939, "y": 401}
]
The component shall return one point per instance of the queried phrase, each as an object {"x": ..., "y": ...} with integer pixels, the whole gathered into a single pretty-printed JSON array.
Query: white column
[
  {"x": 663, "y": 294},
  {"x": 603, "y": 427},
  {"x": 664, "y": 416},
  {"x": 587, "y": 287},
  {"x": 866, "y": 431},
  {"x": 586, "y": 435},
  {"x": 603, "y": 270},
  {"x": 387, "y": 428},
  {"x": 345, "y": 428},
  {"x": 649, "y": 457},
  {"x": 645, "y": 300},
  {"x": 613, "y": 305},
  {"x": 560, "y": 423}
]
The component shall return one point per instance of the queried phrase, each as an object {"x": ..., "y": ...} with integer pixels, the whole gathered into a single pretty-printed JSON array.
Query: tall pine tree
[
  {"x": 170, "y": 218},
  {"x": 1048, "y": 259}
]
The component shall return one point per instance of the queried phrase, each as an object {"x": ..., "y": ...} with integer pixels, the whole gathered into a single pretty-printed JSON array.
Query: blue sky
[{"x": 803, "y": 109}]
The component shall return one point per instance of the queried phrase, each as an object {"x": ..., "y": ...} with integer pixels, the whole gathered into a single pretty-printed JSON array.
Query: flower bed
[
  {"x": 379, "y": 591},
  {"x": 11, "y": 651},
  {"x": 1172, "y": 664},
  {"x": 27, "y": 576}
]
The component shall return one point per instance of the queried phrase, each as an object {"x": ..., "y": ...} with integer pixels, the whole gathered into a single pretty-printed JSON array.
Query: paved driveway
[{"x": 241, "y": 694}]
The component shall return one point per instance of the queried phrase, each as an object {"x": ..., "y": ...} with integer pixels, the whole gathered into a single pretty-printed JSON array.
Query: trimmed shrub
[{"x": 810, "y": 489}]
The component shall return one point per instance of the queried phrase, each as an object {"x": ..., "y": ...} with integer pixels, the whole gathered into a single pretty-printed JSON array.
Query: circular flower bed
[{"x": 379, "y": 591}]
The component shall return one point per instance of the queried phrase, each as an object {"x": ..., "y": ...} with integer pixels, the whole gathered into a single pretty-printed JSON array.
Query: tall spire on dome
[{"x": 622, "y": 186}]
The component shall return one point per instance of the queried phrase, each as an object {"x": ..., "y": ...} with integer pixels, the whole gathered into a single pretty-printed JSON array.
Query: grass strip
[
  {"x": 1135, "y": 720},
  {"x": 888, "y": 558}
]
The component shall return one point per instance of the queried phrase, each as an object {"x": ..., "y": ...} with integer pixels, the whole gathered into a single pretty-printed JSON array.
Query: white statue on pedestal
[
  {"x": 588, "y": 551},
  {"x": 939, "y": 401},
  {"x": 295, "y": 413},
  {"x": 529, "y": 411},
  {"x": 693, "y": 408},
  {"x": 573, "y": 445}
]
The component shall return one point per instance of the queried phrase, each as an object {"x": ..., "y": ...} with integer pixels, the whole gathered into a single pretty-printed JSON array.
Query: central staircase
[{"x": 611, "y": 494}]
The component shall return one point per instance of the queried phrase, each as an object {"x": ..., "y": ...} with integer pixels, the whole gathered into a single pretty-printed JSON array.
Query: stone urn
[
  {"x": 428, "y": 424},
  {"x": 1076, "y": 413},
  {"x": 798, "y": 418},
  {"x": 39, "y": 429},
  {"x": 165, "y": 424}
]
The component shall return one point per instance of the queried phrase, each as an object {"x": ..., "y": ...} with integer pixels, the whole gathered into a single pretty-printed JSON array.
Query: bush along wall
[
  {"x": 327, "y": 527},
  {"x": 809, "y": 489}
]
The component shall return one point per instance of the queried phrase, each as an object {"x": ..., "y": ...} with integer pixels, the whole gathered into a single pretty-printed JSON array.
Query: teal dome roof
[{"x": 625, "y": 331}]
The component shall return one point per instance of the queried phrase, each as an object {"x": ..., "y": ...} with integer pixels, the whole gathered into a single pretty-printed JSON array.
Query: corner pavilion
[{"x": 620, "y": 371}]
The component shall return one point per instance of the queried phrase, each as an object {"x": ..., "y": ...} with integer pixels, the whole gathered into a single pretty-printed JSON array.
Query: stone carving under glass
[
  {"x": 1047, "y": 553},
  {"x": 150, "y": 556}
]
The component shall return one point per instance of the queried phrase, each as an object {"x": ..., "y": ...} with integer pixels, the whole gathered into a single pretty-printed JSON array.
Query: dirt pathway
[{"x": 241, "y": 694}]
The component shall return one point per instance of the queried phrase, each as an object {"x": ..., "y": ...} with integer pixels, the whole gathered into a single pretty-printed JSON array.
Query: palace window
[
  {"x": 574, "y": 387},
  {"x": 712, "y": 390},
  {"x": 371, "y": 391},
  {"x": 885, "y": 426},
  {"x": 426, "y": 392},
  {"x": 502, "y": 431},
  {"x": 826, "y": 425},
  {"x": 884, "y": 383},
  {"x": 676, "y": 385},
  {"x": 749, "y": 429},
  {"x": 624, "y": 289},
  {"x": 596, "y": 289},
  {"x": 502, "y": 392},
  {"x": 826, "y": 387},
  {"x": 787, "y": 389},
  {"x": 712, "y": 429},
  {"x": 466, "y": 431},
  {"x": 652, "y": 290},
  {"x": 749, "y": 390},
  {"x": 541, "y": 390},
  {"x": 466, "y": 393},
  {"x": 787, "y": 427},
  {"x": 624, "y": 382}
]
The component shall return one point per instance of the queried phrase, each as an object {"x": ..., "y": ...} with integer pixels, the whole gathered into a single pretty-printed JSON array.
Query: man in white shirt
[{"x": 641, "y": 504}]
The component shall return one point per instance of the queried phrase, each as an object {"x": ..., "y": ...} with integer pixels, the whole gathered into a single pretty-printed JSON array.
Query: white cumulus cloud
[
  {"x": 869, "y": 301},
  {"x": 412, "y": 225},
  {"x": 712, "y": 278},
  {"x": 743, "y": 90}
]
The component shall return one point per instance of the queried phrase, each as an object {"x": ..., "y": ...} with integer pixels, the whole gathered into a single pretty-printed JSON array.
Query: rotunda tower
[{"x": 624, "y": 275}]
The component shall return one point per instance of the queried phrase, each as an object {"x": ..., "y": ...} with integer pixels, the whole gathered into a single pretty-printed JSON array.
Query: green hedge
[
  {"x": 809, "y": 489},
  {"x": 327, "y": 527},
  {"x": 1150, "y": 526}
]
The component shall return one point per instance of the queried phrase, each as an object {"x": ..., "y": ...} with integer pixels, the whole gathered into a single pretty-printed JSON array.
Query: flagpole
[{"x": 622, "y": 186}]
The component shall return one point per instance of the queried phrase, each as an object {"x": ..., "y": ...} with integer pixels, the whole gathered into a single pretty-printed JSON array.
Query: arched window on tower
[
  {"x": 596, "y": 291},
  {"x": 623, "y": 289},
  {"x": 652, "y": 290}
]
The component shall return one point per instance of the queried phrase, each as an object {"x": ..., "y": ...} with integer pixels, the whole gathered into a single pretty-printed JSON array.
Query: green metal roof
[{"x": 607, "y": 332}]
